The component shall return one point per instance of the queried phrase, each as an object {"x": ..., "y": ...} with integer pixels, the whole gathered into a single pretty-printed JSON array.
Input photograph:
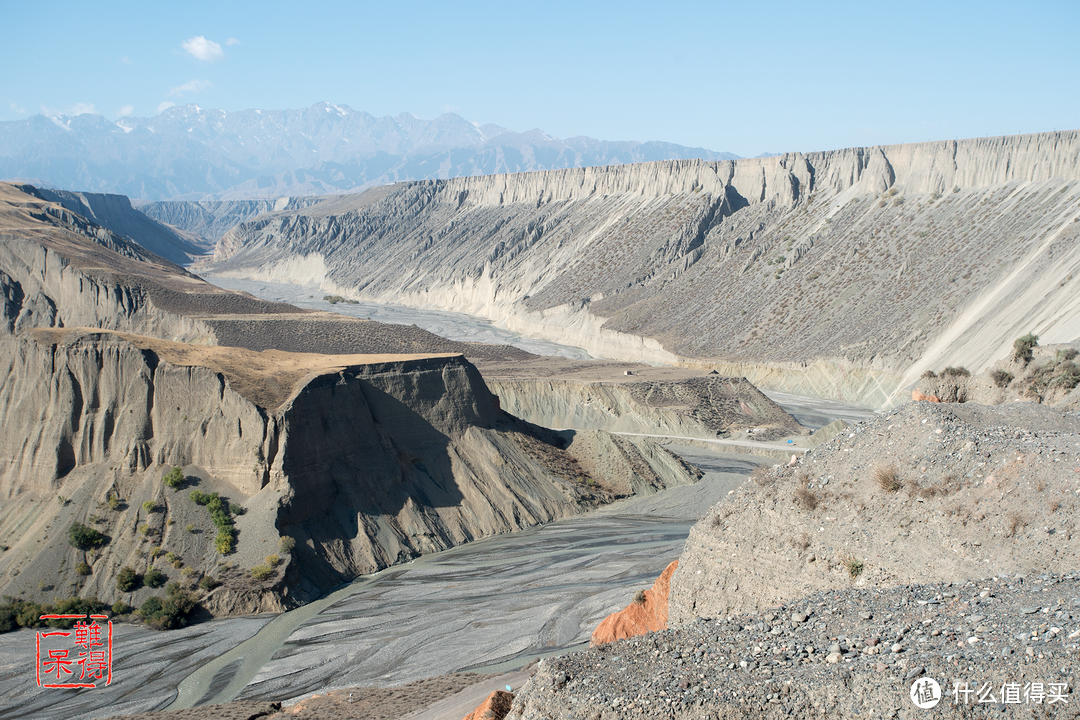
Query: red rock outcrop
[
  {"x": 917, "y": 395},
  {"x": 495, "y": 707},
  {"x": 639, "y": 618}
]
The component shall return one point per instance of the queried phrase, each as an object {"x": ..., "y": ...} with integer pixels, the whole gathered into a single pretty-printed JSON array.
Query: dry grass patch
[
  {"x": 806, "y": 499},
  {"x": 887, "y": 478},
  {"x": 762, "y": 476},
  {"x": 1014, "y": 523}
]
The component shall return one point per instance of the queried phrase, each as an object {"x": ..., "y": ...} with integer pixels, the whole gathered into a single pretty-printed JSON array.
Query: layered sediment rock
[
  {"x": 802, "y": 272},
  {"x": 644, "y": 615}
]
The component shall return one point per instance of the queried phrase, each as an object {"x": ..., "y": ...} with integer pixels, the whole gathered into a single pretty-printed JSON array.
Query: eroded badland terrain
[{"x": 937, "y": 539}]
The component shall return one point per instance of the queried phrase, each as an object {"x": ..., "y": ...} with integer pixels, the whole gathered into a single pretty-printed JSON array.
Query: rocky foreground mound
[
  {"x": 1007, "y": 644},
  {"x": 926, "y": 493}
]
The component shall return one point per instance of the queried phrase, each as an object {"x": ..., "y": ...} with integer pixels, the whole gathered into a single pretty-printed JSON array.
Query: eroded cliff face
[
  {"x": 112, "y": 376},
  {"x": 365, "y": 461},
  {"x": 843, "y": 273}
]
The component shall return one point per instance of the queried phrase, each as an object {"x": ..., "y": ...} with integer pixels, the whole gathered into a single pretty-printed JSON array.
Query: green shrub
[
  {"x": 84, "y": 538},
  {"x": 151, "y": 607},
  {"x": 1067, "y": 354},
  {"x": 273, "y": 560},
  {"x": 198, "y": 497},
  {"x": 190, "y": 527},
  {"x": 149, "y": 506},
  {"x": 82, "y": 569},
  {"x": 261, "y": 572},
  {"x": 208, "y": 583},
  {"x": 1023, "y": 348},
  {"x": 237, "y": 509},
  {"x": 287, "y": 545},
  {"x": 223, "y": 543},
  {"x": 121, "y": 608},
  {"x": 128, "y": 580},
  {"x": 154, "y": 578},
  {"x": 174, "y": 478}
]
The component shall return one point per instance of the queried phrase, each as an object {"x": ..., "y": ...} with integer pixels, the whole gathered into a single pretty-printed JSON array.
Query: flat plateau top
[
  {"x": 586, "y": 371},
  {"x": 269, "y": 378}
]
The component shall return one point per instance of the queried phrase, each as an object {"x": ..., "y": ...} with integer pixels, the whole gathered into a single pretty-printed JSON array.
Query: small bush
[
  {"x": 145, "y": 529},
  {"x": 174, "y": 478},
  {"x": 1001, "y": 378},
  {"x": 190, "y": 527},
  {"x": 806, "y": 499},
  {"x": 929, "y": 375},
  {"x": 1067, "y": 354},
  {"x": 198, "y": 497},
  {"x": 273, "y": 560},
  {"x": 1023, "y": 348},
  {"x": 84, "y": 538},
  {"x": 639, "y": 597},
  {"x": 854, "y": 566},
  {"x": 287, "y": 545},
  {"x": 121, "y": 608},
  {"x": 261, "y": 572},
  {"x": 114, "y": 502},
  {"x": 223, "y": 543},
  {"x": 955, "y": 372},
  {"x": 149, "y": 506},
  {"x": 128, "y": 580},
  {"x": 208, "y": 583},
  {"x": 762, "y": 476},
  {"x": 887, "y": 478},
  {"x": 237, "y": 509},
  {"x": 83, "y": 569},
  {"x": 154, "y": 578},
  {"x": 1014, "y": 521}
]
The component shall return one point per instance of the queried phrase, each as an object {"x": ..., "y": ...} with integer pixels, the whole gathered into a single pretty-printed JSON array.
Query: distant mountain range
[{"x": 188, "y": 152}]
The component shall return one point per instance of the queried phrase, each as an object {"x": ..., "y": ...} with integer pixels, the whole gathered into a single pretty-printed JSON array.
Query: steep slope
[
  {"x": 210, "y": 219},
  {"x": 115, "y": 213},
  {"x": 843, "y": 274}
]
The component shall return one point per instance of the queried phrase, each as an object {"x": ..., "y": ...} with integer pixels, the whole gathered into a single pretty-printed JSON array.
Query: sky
[{"x": 747, "y": 77}]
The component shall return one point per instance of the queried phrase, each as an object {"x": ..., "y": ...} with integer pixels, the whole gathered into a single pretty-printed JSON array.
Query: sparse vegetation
[
  {"x": 208, "y": 583},
  {"x": 887, "y": 478},
  {"x": 85, "y": 538},
  {"x": 287, "y": 544},
  {"x": 83, "y": 568},
  {"x": 1023, "y": 348},
  {"x": 172, "y": 612},
  {"x": 806, "y": 499},
  {"x": 1001, "y": 378},
  {"x": 154, "y": 578},
  {"x": 16, "y": 613},
  {"x": 639, "y": 597},
  {"x": 1014, "y": 522},
  {"x": 955, "y": 372},
  {"x": 174, "y": 478},
  {"x": 261, "y": 572},
  {"x": 149, "y": 506},
  {"x": 854, "y": 566}
]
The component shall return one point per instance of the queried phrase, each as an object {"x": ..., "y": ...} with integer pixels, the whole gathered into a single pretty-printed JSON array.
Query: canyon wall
[{"x": 844, "y": 273}]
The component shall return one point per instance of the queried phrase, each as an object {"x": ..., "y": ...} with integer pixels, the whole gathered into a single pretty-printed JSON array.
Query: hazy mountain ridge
[{"x": 194, "y": 153}]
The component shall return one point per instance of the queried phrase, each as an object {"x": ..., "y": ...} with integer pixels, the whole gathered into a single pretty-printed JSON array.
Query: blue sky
[{"x": 746, "y": 77}]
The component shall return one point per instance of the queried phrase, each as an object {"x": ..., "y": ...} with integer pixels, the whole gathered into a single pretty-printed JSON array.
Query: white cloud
[
  {"x": 203, "y": 49},
  {"x": 165, "y": 105},
  {"x": 232, "y": 41},
  {"x": 190, "y": 86},
  {"x": 125, "y": 111},
  {"x": 82, "y": 109},
  {"x": 16, "y": 108}
]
